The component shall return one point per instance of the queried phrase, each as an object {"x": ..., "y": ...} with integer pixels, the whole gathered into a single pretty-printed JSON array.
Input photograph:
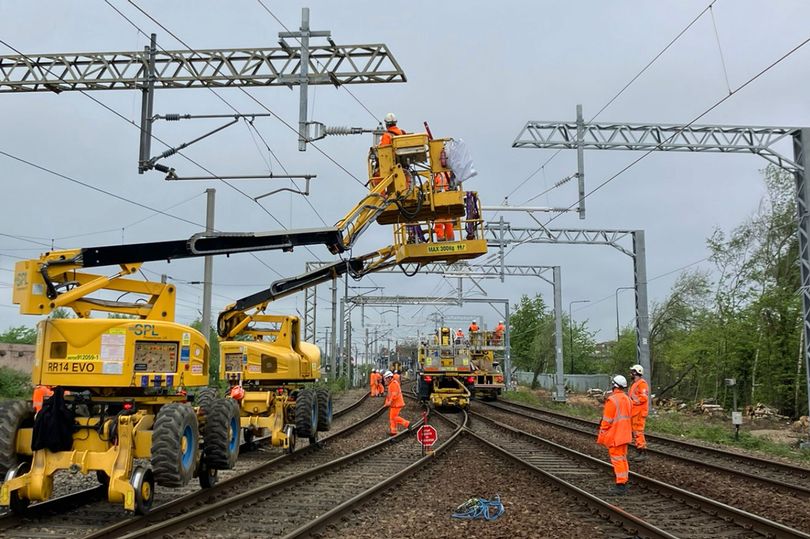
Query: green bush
[{"x": 14, "y": 384}]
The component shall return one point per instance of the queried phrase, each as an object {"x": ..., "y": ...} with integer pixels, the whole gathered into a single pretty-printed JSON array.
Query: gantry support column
[{"x": 800, "y": 137}]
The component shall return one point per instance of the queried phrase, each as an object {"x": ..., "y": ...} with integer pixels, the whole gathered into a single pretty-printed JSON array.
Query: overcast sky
[{"x": 476, "y": 70}]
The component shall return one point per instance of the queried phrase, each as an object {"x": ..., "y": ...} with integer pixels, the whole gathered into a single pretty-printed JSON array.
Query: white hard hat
[
  {"x": 390, "y": 119},
  {"x": 389, "y": 374},
  {"x": 619, "y": 381},
  {"x": 638, "y": 369},
  {"x": 500, "y": 321}
]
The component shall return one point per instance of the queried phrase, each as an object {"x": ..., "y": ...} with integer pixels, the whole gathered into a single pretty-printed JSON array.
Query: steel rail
[
  {"x": 364, "y": 496},
  {"x": 746, "y": 460},
  {"x": 137, "y": 522},
  {"x": 706, "y": 505},
  {"x": 184, "y": 520},
  {"x": 630, "y": 522}
]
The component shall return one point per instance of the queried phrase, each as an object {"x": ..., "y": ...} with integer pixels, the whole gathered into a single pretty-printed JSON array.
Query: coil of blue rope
[{"x": 480, "y": 508}]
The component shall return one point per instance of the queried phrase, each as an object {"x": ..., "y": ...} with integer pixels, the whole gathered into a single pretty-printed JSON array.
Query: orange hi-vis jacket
[
  {"x": 473, "y": 327},
  {"x": 615, "y": 429},
  {"x": 394, "y": 398},
  {"x": 389, "y": 134},
  {"x": 639, "y": 397},
  {"x": 40, "y": 394}
]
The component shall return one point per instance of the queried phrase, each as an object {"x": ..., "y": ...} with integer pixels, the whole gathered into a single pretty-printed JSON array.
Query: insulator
[
  {"x": 342, "y": 130},
  {"x": 172, "y": 117},
  {"x": 566, "y": 180}
]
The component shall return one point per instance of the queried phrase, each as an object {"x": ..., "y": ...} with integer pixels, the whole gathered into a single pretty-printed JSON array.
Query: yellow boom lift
[
  {"x": 264, "y": 359},
  {"x": 126, "y": 376}
]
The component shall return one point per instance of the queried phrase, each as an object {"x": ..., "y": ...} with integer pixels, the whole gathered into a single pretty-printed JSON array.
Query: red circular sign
[{"x": 427, "y": 435}]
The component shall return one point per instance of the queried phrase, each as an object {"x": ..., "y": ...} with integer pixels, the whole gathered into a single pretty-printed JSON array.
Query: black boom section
[
  {"x": 217, "y": 244},
  {"x": 291, "y": 285}
]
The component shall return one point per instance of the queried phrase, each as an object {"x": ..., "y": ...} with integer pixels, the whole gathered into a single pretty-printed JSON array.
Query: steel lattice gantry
[
  {"x": 501, "y": 234},
  {"x": 297, "y": 62},
  {"x": 758, "y": 140},
  {"x": 214, "y": 68},
  {"x": 659, "y": 137}
]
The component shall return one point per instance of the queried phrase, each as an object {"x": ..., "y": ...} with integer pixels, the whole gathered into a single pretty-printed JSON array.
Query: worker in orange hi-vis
[
  {"x": 639, "y": 398},
  {"x": 41, "y": 393},
  {"x": 615, "y": 432},
  {"x": 473, "y": 326},
  {"x": 398, "y": 378},
  {"x": 459, "y": 336},
  {"x": 380, "y": 385},
  {"x": 372, "y": 382},
  {"x": 443, "y": 228},
  {"x": 395, "y": 404},
  {"x": 499, "y": 330},
  {"x": 391, "y": 129}
]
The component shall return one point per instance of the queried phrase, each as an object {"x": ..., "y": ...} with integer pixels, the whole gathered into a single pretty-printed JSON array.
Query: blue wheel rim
[
  {"x": 188, "y": 454},
  {"x": 234, "y": 442}
]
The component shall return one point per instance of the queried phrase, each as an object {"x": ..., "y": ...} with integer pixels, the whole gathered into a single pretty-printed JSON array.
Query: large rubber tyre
[
  {"x": 205, "y": 397},
  {"x": 324, "y": 409},
  {"x": 14, "y": 415},
  {"x": 175, "y": 443},
  {"x": 306, "y": 414},
  {"x": 221, "y": 435}
]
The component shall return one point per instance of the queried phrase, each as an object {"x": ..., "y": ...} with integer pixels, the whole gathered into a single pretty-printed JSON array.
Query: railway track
[
  {"x": 289, "y": 504},
  {"x": 653, "y": 509},
  {"x": 771, "y": 474},
  {"x": 76, "y": 513}
]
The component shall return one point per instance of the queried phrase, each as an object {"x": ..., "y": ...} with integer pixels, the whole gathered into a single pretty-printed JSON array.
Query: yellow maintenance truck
[{"x": 120, "y": 382}]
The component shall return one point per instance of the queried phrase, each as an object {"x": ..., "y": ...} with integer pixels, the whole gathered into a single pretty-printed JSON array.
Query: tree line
[{"x": 741, "y": 319}]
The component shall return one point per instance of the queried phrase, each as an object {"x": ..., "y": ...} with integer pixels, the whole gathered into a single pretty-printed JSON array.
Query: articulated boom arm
[
  {"x": 235, "y": 318},
  {"x": 56, "y": 278}
]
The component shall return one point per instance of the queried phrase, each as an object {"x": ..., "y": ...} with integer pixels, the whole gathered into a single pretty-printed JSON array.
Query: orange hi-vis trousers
[
  {"x": 637, "y": 423},
  {"x": 373, "y": 388},
  {"x": 394, "y": 420},
  {"x": 618, "y": 458}
]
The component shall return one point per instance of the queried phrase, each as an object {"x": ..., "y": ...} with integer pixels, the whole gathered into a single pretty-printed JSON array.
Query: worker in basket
[{"x": 391, "y": 129}]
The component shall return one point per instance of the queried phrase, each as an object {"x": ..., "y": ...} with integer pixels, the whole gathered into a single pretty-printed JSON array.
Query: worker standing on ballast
[
  {"x": 640, "y": 399},
  {"x": 391, "y": 129},
  {"x": 395, "y": 404},
  {"x": 372, "y": 382},
  {"x": 615, "y": 432}
]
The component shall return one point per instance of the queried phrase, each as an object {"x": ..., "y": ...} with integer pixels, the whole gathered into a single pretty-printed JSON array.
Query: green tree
[
  {"x": 213, "y": 358},
  {"x": 533, "y": 343},
  {"x": 19, "y": 335}
]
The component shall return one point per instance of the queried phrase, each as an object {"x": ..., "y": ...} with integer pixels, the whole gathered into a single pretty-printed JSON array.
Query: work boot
[{"x": 619, "y": 490}]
